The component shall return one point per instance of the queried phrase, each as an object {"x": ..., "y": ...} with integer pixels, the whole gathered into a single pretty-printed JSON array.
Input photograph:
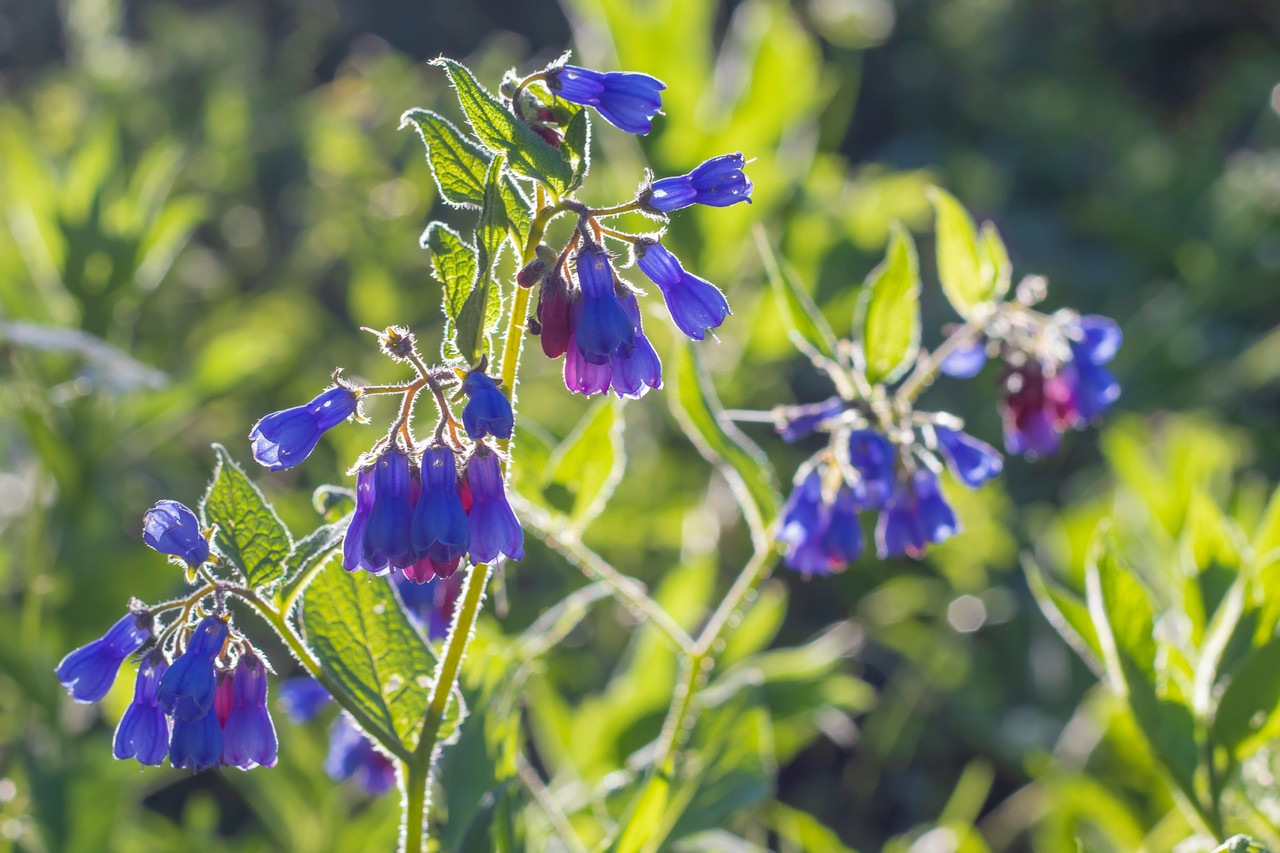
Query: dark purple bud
[
  {"x": 555, "y": 317},
  {"x": 495, "y": 531},
  {"x": 249, "y": 735},
  {"x": 488, "y": 411},
  {"x": 1036, "y": 410},
  {"x": 972, "y": 461},
  {"x": 143, "y": 732},
  {"x": 283, "y": 439},
  {"x": 187, "y": 687},
  {"x": 719, "y": 182},
  {"x": 628, "y": 101},
  {"x": 88, "y": 672},
  {"x": 696, "y": 305},
  {"x": 171, "y": 528},
  {"x": 440, "y": 530}
]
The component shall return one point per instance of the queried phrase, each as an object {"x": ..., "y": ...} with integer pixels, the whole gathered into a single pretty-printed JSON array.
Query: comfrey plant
[
  {"x": 884, "y": 454},
  {"x": 429, "y": 517}
]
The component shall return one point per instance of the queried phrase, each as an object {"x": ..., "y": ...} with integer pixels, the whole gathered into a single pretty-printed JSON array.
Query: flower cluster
[
  {"x": 885, "y": 459},
  {"x": 200, "y": 696},
  {"x": 585, "y": 311}
]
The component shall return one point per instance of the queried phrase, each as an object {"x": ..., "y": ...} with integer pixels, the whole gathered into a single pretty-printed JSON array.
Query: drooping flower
[
  {"x": 171, "y": 528},
  {"x": 88, "y": 672},
  {"x": 1035, "y": 409},
  {"x": 842, "y": 538},
  {"x": 917, "y": 514},
  {"x": 143, "y": 732},
  {"x": 302, "y": 698},
  {"x": 187, "y": 688},
  {"x": 248, "y": 735},
  {"x": 380, "y": 536},
  {"x": 488, "y": 411},
  {"x": 972, "y": 461},
  {"x": 440, "y": 532},
  {"x": 283, "y": 439},
  {"x": 873, "y": 456},
  {"x": 718, "y": 182},
  {"x": 583, "y": 377},
  {"x": 495, "y": 531},
  {"x": 431, "y": 605},
  {"x": 803, "y": 524},
  {"x": 626, "y": 100},
  {"x": 1094, "y": 344},
  {"x": 696, "y": 305},
  {"x": 635, "y": 372},
  {"x": 796, "y": 422},
  {"x": 601, "y": 328},
  {"x": 196, "y": 744},
  {"x": 351, "y": 756}
]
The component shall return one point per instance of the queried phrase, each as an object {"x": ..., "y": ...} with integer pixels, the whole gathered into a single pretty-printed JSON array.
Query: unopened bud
[{"x": 536, "y": 270}]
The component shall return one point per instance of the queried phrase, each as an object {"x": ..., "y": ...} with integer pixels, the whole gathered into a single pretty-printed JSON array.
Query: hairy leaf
[
  {"x": 891, "y": 316},
  {"x": 458, "y": 164},
  {"x": 577, "y": 145},
  {"x": 453, "y": 263},
  {"x": 313, "y": 549},
  {"x": 366, "y": 644},
  {"x": 527, "y": 153},
  {"x": 250, "y": 534},
  {"x": 482, "y": 308}
]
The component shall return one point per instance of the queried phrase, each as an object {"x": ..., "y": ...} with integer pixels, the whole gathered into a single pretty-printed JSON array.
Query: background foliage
[{"x": 202, "y": 201}]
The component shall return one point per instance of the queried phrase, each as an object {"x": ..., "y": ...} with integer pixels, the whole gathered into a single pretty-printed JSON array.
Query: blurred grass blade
[{"x": 809, "y": 329}]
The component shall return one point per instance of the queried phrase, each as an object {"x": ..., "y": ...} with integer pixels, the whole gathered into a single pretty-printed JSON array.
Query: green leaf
[
  {"x": 250, "y": 534},
  {"x": 808, "y": 328},
  {"x": 453, "y": 263},
  {"x": 460, "y": 167},
  {"x": 996, "y": 266},
  {"x": 458, "y": 164},
  {"x": 1067, "y": 614},
  {"x": 891, "y": 317},
  {"x": 364, "y": 641},
  {"x": 577, "y": 144},
  {"x": 526, "y": 152},
  {"x": 313, "y": 549},
  {"x": 960, "y": 266},
  {"x": 1248, "y": 714},
  {"x": 1266, "y": 538},
  {"x": 723, "y": 445},
  {"x": 646, "y": 818},
  {"x": 483, "y": 305},
  {"x": 585, "y": 468}
]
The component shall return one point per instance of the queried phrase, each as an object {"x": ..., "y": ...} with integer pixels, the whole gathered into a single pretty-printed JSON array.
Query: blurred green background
[{"x": 201, "y": 202}]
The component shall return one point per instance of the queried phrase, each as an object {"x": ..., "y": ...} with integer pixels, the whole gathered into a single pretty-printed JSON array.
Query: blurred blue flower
[
  {"x": 873, "y": 456},
  {"x": 302, "y": 698},
  {"x": 351, "y": 756},
  {"x": 797, "y": 422},
  {"x": 966, "y": 361},
  {"x": 917, "y": 514},
  {"x": 972, "y": 461}
]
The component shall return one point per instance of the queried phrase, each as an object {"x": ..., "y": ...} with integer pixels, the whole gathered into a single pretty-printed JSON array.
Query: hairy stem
[{"x": 414, "y": 827}]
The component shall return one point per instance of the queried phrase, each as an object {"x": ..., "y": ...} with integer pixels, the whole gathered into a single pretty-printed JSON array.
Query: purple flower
[
  {"x": 380, "y": 536},
  {"x": 696, "y": 305},
  {"x": 494, "y": 528},
  {"x": 583, "y": 377},
  {"x": 873, "y": 456},
  {"x": 966, "y": 361},
  {"x": 973, "y": 461},
  {"x": 719, "y": 182},
  {"x": 353, "y": 757},
  {"x": 915, "y": 516},
  {"x": 302, "y": 698},
  {"x": 842, "y": 538},
  {"x": 197, "y": 743},
  {"x": 803, "y": 525},
  {"x": 440, "y": 531},
  {"x": 1036, "y": 410},
  {"x": 635, "y": 372},
  {"x": 187, "y": 687},
  {"x": 248, "y": 735},
  {"x": 284, "y": 439},
  {"x": 797, "y": 422},
  {"x": 601, "y": 328},
  {"x": 171, "y": 528},
  {"x": 88, "y": 672},
  {"x": 488, "y": 411},
  {"x": 626, "y": 100},
  {"x": 143, "y": 732},
  {"x": 1094, "y": 387},
  {"x": 430, "y": 605}
]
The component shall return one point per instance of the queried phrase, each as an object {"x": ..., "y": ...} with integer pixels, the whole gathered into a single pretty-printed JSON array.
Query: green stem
[
  {"x": 416, "y": 775},
  {"x": 752, "y": 575},
  {"x": 926, "y": 370}
]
